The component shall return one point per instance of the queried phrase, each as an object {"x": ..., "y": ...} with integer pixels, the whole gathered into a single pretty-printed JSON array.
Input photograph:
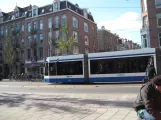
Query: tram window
[
  {"x": 46, "y": 69},
  {"x": 52, "y": 69},
  {"x": 70, "y": 68},
  {"x": 119, "y": 65}
]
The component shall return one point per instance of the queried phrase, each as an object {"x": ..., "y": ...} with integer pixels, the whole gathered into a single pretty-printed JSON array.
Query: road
[
  {"x": 40, "y": 101},
  {"x": 67, "y": 88}
]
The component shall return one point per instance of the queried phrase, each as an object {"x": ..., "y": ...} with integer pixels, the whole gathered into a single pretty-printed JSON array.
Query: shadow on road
[{"x": 43, "y": 103}]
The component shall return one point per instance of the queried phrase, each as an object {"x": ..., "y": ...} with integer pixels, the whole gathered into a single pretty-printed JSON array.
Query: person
[
  {"x": 150, "y": 71},
  {"x": 148, "y": 101}
]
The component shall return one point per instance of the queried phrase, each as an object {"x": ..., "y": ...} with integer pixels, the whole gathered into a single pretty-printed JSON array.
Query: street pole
[{"x": 50, "y": 43}]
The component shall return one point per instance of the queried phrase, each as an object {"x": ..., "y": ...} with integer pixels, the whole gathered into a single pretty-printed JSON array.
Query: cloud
[{"x": 126, "y": 23}]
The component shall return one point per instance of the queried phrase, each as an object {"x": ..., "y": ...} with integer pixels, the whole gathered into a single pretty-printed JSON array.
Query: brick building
[
  {"x": 151, "y": 23},
  {"x": 36, "y": 25},
  {"x": 107, "y": 41}
]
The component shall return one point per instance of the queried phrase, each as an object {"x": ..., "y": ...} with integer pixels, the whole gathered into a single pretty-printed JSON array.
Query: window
[
  {"x": 22, "y": 41},
  {"x": 66, "y": 68},
  {"x": 86, "y": 40},
  {"x": 29, "y": 54},
  {"x": 42, "y": 11},
  {"x": 86, "y": 50},
  {"x": 75, "y": 22},
  {"x": 56, "y": 22},
  {"x": 57, "y": 35},
  {"x": 85, "y": 27},
  {"x": 22, "y": 27},
  {"x": 50, "y": 37},
  {"x": 35, "y": 25},
  {"x": 119, "y": 65},
  {"x": 1, "y": 19},
  {"x": 41, "y": 52},
  {"x": 41, "y": 38},
  {"x": 50, "y": 9},
  {"x": 158, "y": 3},
  {"x": 34, "y": 12},
  {"x": 17, "y": 14},
  {"x": 63, "y": 20},
  {"x": 85, "y": 13},
  {"x": 29, "y": 27},
  {"x": 22, "y": 55},
  {"x": 50, "y": 22},
  {"x": 6, "y": 30},
  {"x": 29, "y": 40},
  {"x": 144, "y": 40},
  {"x": 75, "y": 35},
  {"x": 144, "y": 5},
  {"x": 159, "y": 22},
  {"x": 17, "y": 27},
  {"x": 64, "y": 36},
  {"x": 35, "y": 37},
  {"x": 41, "y": 25},
  {"x": 159, "y": 39},
  {"x": 56, "y": 6},
  {"x": 76, "y": 49}
]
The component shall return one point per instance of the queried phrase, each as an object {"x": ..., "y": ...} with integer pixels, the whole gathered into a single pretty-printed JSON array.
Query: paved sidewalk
[{"x": 60, "y": 106}]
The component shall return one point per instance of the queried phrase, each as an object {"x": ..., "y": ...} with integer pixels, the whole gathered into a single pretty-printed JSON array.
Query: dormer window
[
  {"x": 42, "y": 11},
  {"x": 17, "y": 14},
  {"x": 34, "y": 12},
  {"x": 29, "y": 14},
  {"x": 13, "y": 17},
  {"x": 56, "y": 5},
  {"x": 50, "y": 9},
  {"x": 69, "y": 6},
  {"x": 85, "y": 13}
]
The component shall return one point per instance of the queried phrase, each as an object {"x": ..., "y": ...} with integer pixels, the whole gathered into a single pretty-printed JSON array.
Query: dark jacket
[
  {"x": 150, "y": 71},
  {"x": 149, "y": 98}
]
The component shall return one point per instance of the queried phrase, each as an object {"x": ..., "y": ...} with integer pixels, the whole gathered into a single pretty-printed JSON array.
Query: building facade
[
  {"x": 108, "y": 41},
  {"x": 151, "y": 23},
  {"x": 40, "y": 32}
]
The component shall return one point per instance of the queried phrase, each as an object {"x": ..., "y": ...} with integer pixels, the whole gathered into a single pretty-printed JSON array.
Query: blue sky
[{"x": 120, "y": 16}]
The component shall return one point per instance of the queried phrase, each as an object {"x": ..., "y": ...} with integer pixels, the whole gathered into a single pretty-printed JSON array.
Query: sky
[{"x": 122, "y": 17}]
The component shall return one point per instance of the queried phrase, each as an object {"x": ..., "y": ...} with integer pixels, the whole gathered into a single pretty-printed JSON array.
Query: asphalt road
[{"x": 76, "y": 89}]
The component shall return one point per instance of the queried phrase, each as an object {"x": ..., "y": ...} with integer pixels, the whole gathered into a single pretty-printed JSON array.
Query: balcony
[{"x": 56, "y": 26}]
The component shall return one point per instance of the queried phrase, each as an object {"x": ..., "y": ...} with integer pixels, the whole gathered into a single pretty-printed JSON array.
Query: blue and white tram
[
  {"x": 119, "y": 66},
  {"x": 110, "y": 67},
  {"x": 64, "y": 69}
]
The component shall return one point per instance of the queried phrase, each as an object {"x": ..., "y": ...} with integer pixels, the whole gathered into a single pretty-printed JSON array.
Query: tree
[
  {"x": 9, "y": 53},
  {"x": 66, "y": 41}
]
